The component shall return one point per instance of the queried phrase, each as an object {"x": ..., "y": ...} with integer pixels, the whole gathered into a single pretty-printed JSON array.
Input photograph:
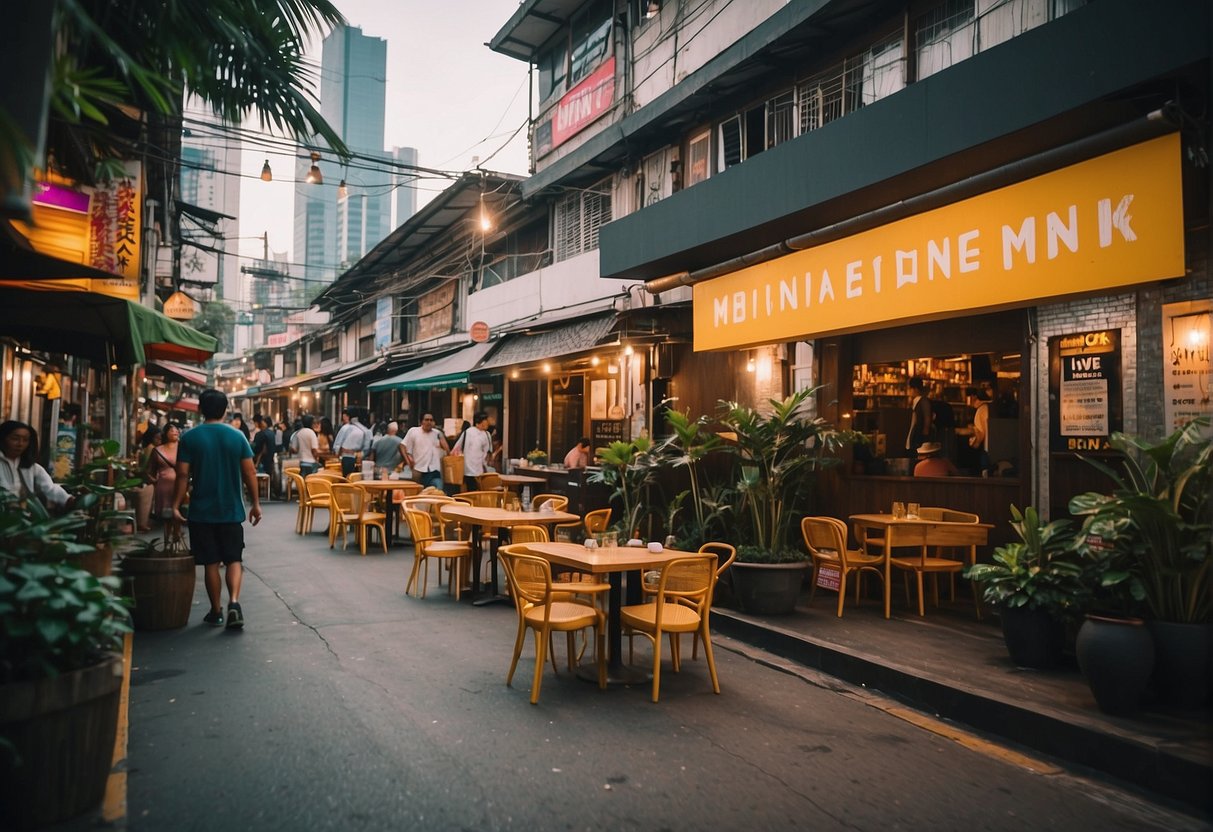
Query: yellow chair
[
  {"x": 319, "y": 494},
  {"x": 539, "y": 609},
  {"x": 488, "y": 482},
  {"x": 528, "y": 534},
  {"x": 290, "y": 484},
  {"x": 826, "y": 540},
  {"x": 295, "y": 481},
  {"x": 352, "y": 509},
  {"x": 483, "y": 499},
  {"x": 356, "y": 476},
  {"x": 427, "y": 546},
  {"x": 597, "y": 521},
  {"x": 558, "y": 501},
  {"x": 328, "y": 473},
  {"x": 683, "y": 604},
  {"x": 725, "y": 555}
]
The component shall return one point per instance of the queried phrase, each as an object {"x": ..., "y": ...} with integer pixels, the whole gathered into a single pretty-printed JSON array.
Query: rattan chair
[
  {"x": 295, "y": 481},
  {"x": 539, "y": 609},
  {"x": 826, "y": 540},
  {"x": 319, "y": 494},
  {"x": 683, "y": 604},
  {"x": 427, "y": 546},
  {"x": 352, "y": 509},
  {"x": 488, "y": 482}
]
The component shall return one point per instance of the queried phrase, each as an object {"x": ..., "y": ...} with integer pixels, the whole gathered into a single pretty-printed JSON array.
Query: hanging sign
[
  {"x": 1187, "y": 371},
  {"x": 479, "y": 332},
  {"x": 1084, "y": 390},
  {"x": 180, "y": 307}
]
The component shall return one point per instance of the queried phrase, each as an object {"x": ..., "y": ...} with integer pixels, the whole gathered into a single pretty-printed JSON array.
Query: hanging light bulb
[
  {"x": 485, "y": 223},
  {"x": 314, "y": 177},
  {"x": 749, "y": 365},
  {"x": 342, "y": 190},
  {"x": 267, "y": 175}
]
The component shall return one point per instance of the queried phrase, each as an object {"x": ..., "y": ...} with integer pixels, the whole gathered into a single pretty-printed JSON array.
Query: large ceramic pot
[
  {"x": 62, "y": 730},
  {"x": 1183, "y": 662},
  {"x": 1034, "y": 638},
  {"x": 1117, "y": 656},
  {"x": 163, "y": 590},
  {"x": 767, "y": 588}
]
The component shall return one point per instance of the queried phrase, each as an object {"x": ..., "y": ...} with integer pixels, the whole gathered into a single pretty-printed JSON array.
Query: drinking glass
[
  {"x": 608, "y": 540},
  {"x": 899, "y": 509},
  {"x": 911, "y": 511}
]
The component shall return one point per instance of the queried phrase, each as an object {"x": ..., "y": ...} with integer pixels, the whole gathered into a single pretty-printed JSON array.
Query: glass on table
[
  {"x": 899, "y": 510},
  {"x": 911, "y": 511},
  {"x": 607, "y": 540}
]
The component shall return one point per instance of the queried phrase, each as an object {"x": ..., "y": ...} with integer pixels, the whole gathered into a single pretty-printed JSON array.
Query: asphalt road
[{"x": 346, "y": 705}]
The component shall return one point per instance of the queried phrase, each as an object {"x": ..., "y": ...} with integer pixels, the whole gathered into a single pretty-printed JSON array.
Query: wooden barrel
[
  {"x": 62, "y": 730},
  {"x": 100, "y": 561},
  {"x": 163, "y": 590}
]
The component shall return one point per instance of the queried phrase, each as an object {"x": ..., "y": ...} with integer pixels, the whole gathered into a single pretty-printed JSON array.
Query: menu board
[
  {"x": 605, "y": 431},
  {"x": 1085, "y": 405},
  {"x": 1187, "y": 371}
]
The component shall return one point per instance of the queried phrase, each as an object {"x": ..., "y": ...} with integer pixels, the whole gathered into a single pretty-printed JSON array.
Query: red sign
[
  {"x": 584, "y": 103},
  {"x": 479, "y": 332},
  {"x": 828, "y": 577}
]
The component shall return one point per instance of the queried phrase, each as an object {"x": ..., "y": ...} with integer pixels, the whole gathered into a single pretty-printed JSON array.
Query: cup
[
  {"x": 608, "y": 540},
  {"x": 591, "y": 543},
  {"x": 899, "y": 510},
  {"x": 911, "y": 511}
]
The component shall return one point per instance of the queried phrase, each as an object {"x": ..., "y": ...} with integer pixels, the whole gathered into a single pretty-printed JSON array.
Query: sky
[{"x": 448, "y": 95}]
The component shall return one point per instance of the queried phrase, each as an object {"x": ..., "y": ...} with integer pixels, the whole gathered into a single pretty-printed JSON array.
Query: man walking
[
  {"x": 423, "y": 449},
  {"x": 264, "y": 443},
  {"x": 477, "y": 448},
  {"x": 351, "y": 441},
  {"x": 386, "y": 449},
  {"x": 306, "y": 443},
  {"x": 217, "y": 459}
]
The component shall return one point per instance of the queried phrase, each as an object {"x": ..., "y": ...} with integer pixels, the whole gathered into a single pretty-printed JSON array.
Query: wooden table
[
  {"x": 512, "y": 480},
  {"x": 916, "y": 533},
  {"x": 483, "y": 517},
  {"x": 379, "y": 488},
  {"x": 612, "y": 562}
]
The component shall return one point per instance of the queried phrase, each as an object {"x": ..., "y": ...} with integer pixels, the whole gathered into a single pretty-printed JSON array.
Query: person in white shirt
[
  {"x": 477, "y": 448},
  {"x": 20, "y": 472},
  {"x": 306, "y": 443},
  {"x": 351, "y": 441},
  {"x": 423, "y": 448}
]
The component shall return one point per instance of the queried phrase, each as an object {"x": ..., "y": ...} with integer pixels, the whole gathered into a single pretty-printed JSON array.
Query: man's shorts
[{"x": 217, "y": 542}]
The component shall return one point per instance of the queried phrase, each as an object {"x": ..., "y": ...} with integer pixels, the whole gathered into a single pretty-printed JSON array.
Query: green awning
[
  {"x": 98, "y": 327},
  {"x": 451, "y": 370}
]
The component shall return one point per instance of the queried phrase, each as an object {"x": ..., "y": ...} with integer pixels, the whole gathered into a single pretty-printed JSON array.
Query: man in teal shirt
[{"x": 218, "y": 460}]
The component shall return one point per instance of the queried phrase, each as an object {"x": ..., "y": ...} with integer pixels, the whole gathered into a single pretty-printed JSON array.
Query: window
[
  {"x": 521, "y": 252},
  {"x": 591, "y": 37},
  {"x": 656, "y": 178},
  {"x": 730, "y": 143},
  {"x": 330, "y": 348},
  {"x": 552, "y": 66},
  {"x": 781, "y": 118},
  {"x": 820, "y": 100},
  {"x": 958, "y": 29},
  {"x": 578, "y": 216},
  {"x": 858, "y": 81},
  {"x": 366, "y": 333},
  {"x": 699, "y": 150}
]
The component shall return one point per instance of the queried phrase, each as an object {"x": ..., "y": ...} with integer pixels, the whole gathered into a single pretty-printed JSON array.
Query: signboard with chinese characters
[
  {"x": 1187, "y": 371},
  {"x": 383, "y": 323},
  {"x": 1085, "y": 405},
  {"x": 179, "y": 306},
  {"x": 436, "y": 312}
]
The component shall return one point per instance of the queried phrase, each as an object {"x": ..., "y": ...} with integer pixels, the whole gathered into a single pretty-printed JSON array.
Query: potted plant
[
  {"x": 537, "y": 457},
  {"x": 779, "y": 453},
  {"x": 628, "y": 468},
  {"x": 1155, "y": 530},
  {"x": 690, "y": 443},
  {"x": 1035, "y": 583},
  {"x": 161, "y": 578},
  {"x": 60, "y": 679},
  {"x": 96, "y": 485}
]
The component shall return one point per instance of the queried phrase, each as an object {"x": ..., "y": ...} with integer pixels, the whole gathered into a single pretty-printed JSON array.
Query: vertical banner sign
[
  {"x": 1085, "y": 405},
  {"x": 383, "y": 323},
  {"x": 114, "y": 220},
  {"x": 1187, "y": 371}
]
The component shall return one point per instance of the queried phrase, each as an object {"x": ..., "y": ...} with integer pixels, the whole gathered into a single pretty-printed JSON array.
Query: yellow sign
[
  {"x": 1115, "y": 220},
  {"x": 179, "y": 306}
]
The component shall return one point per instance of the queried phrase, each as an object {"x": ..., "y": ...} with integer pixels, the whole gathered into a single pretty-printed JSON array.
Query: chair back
[
  {"x": 483, "y": 499},
  {"x": 348, "y": 498},
  {"x": 596, "y": 522},
  {"x": 529, "y": 576},
  {"x": 488, "y": 482},
  {"x": 558, "y": 501},
  {"x": 951, "y": 515},
  {"x": 354, "y": 477},
  {"x": 319, "y": 487},
  {"x": 528, "y": 534},
  {"x": 825, "y": 538},
  {"x": 297, "y": 482},
  {"x": 328, "y": 474},
  {"x": 421, "y": 527},
  {"x": 725, "y": 555},
  {"x": 688, "y": 581}
]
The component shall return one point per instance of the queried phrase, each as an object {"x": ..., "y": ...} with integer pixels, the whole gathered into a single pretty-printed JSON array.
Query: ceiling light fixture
[
  {"x": 342, "y": 190},
  {"x": 314, "y": 177},
  {"x": 267, "y": 175}
]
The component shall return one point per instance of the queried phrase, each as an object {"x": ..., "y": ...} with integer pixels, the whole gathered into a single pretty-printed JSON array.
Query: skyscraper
[
  {"x": 406, "y": 185},
  {"x": 332, "y": 231}
]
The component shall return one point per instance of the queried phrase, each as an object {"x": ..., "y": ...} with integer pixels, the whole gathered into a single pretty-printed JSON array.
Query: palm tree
[{"x": 114, "y": 60}]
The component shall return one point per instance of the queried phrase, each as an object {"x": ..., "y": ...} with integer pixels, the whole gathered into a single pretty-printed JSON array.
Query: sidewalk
[{"x": 953, "y": 666}]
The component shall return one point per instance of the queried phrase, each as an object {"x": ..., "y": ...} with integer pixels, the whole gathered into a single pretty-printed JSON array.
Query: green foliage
[
  {"x": 29, "y": 533},
  {"x": 1041, "y": 571},
  {"x": 778, "y": 454},
  {"x": 1152, "y": 534},
  {"x": 691, "y": 441},
  {"x": 629, "y": 468},
  {"x": 95, "y": 485},
  {"x": 216, "y": 319}
]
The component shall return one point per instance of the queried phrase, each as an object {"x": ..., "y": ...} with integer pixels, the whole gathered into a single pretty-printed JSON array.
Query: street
[{"x": 345, "y": 705}]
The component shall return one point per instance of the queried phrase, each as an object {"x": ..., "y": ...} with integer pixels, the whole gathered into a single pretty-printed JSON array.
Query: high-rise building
[
  {"x": 332, "y": 230},
  {"x": 208, "y": 156},
  {"x": 405, "y": 184}
]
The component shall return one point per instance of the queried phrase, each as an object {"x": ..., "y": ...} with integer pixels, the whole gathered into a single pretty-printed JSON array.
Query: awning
[
  {"x": 188, "y": 403},
  {"x": 340, "y": 379},
  {"x": 449, "y": 371},
  {"x": 20, "y": 261},
  {"x": 98, "y": 327},
  {"x": 564, "y": 339},
  {"x": 290, "y": 381},
  {"x": 171, "y": 368}
]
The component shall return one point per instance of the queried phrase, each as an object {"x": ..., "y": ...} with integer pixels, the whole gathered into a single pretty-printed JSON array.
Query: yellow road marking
[
  {"x": 972, "y": 742},
  {"x": 113, "y": 807}
]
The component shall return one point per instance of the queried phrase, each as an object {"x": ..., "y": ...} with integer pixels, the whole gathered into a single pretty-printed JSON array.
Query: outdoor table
[
  {"x": 511, "y": 481},
  {"x": 481, "y": 517},
  {"x": 901, "y": 531},
  {"x": 613, "y": 562},
  {"x": 382, "y": 490}
]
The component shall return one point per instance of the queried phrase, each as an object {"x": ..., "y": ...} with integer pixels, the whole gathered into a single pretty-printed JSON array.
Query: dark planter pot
[
  {"x": 1117, "y": 656},
  {"x": 1034, "y": 638},
  {"x": 99, "y": 562},
  {"x": 163, "y": 590},
  {"x": 62, "y": 730},
  {"x": 767, "y": 588},
  {"x": 1183, "y": 662}
]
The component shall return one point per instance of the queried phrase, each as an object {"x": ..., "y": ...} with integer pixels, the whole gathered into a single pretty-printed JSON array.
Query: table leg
[
  {"x": 618, "y": 673},
  {"x": 888, "y": 569},
  {"x": 494, "y": 597}
]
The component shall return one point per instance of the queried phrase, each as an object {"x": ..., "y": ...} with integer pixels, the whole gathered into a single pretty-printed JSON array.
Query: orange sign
[
  {"x": 1116, "y": 220},
  {"x": 479, "y": 332}
]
